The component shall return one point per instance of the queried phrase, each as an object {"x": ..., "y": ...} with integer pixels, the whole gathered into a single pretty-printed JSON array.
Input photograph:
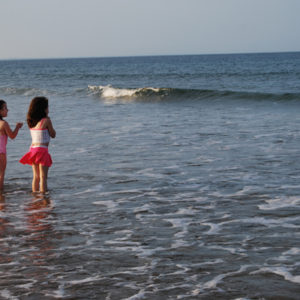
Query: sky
[{"x": 101, "y": 28}]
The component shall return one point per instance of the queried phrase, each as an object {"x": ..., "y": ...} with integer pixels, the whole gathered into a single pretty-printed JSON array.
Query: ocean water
[{"x": 174, "y": 177}]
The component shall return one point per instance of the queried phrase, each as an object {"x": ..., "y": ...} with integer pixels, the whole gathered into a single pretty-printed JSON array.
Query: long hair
[
  {"x": 2, "y": 102},
  {"x": 36, "y": 111}
]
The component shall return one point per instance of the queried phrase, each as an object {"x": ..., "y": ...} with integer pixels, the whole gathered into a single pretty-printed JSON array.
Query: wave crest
[
  {"x": 150, "y": 93},
  {"x": 111, "y": 92}
]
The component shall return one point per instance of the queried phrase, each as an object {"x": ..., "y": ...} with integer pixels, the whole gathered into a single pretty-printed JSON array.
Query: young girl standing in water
[
  {"x": 5, "y": 131},
  {"x": 41, "y": 130}
]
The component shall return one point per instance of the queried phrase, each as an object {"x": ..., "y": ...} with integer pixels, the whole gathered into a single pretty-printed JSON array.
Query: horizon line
[{"x": 147, "y": 55}]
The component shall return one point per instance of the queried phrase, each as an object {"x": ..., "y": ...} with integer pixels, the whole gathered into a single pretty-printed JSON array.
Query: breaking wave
[{"x": 150, "y": 93}]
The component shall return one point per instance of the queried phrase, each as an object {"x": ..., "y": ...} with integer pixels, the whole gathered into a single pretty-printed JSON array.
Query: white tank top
[{"x": 39, "y": 135}]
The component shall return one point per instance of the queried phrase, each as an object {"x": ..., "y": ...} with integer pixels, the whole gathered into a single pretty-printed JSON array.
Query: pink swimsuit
[{"x": 3, "y": 142}]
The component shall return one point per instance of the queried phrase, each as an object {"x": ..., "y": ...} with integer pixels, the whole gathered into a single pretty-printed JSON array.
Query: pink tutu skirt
[{"x": 37, "y": 155}]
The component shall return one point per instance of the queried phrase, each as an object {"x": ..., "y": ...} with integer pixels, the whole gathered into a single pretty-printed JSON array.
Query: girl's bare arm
[
  {"x": 9, "y": 132},
  {"x": 50, "y": 128}
]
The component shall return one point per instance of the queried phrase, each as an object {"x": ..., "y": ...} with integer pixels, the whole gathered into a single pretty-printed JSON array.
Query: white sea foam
[
  {"x": 12, "y": 263},
  {"x": 280, "y": 203},
  {"x": 108, "y": 203},
  {"x": 17, "y": 192},
  {"x": 245, "y": 191},
  {"x": 27, "y": 286},
  {"x": 59, "y": 293},
  {"x": 150, "y": 173},
  {"x": 180, "y": 223},
  {"x": 138, "y": 250},
  {"x": 212, "y": 284},
  {"x": 268, "y": 222},
  {"x": 132, "y": 191},
  {"x": 229, "y": 249},
  {"x": 7, "y": 295},
  {"x": 290, "y": 186},
  {"x": 139, "y": 295},
  {"x": 80, "y": 150},
  {"x": 121, "y": 242},
  {"x": 292, "y": 251},
  {"x": 179, "y": 243},
  {"x": 288, "y": 254},
  {"x": 124, "y": 232},
  {"x": 143, "y": 209},
  {"x": 214, "y": 228},
  {"x": 112, "y": 92},
  {"x": 282, "y": 271},
  {"x": 95, "y": 188},
  {"x": 186, "y": 211},
  {"x": 85, "y": 280}
]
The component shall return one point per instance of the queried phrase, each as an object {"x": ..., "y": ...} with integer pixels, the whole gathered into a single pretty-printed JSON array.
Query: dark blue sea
[{"x": 174, "y": 177}]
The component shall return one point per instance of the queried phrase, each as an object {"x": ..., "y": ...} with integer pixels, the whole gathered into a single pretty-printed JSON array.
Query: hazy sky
[{"x": 83, "y": 28}]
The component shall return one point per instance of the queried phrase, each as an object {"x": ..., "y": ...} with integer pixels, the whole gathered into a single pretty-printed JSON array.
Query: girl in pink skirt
[{"x": 41, "y": 130}]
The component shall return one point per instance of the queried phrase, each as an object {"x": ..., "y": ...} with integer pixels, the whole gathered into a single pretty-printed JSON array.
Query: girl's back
[{"x": 3, "y": 137}]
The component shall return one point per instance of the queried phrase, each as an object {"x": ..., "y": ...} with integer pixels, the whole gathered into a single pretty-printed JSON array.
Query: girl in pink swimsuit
[
  {"x": 5, "y": 131},
  {"x": 41, "y": 130}
]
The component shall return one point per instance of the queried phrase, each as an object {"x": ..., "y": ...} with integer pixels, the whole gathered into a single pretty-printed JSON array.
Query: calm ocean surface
[{"x": 174, "y": 177}]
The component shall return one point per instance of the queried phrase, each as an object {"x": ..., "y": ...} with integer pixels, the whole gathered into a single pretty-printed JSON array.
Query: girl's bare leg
[
  {"x": 43, "y": 178},
  {"x": 36, "y": 178},
  {"x": 2, "y": 169}
]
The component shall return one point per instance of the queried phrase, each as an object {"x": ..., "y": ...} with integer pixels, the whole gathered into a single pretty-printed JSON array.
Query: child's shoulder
[
  {"x": 43, "y": 123},
  {"x": 3, "y": 124},
  {"x": 47, "y": 119}
]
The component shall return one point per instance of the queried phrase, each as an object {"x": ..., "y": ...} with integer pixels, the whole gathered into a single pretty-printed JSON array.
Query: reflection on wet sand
[
  {"x": 30, "y": 229},
  {"x": 4, "y": 256},
  {"x": 38, "y": 228},
  {"x": 2, "y": 202},
  {"x": 38, "y": 238}
]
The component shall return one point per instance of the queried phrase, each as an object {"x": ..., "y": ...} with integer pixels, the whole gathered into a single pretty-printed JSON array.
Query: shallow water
[{"x": 177, "y": 199}]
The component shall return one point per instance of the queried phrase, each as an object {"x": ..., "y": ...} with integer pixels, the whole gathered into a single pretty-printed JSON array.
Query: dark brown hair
[
  {"x": 2, "y": 102},
  {"x": 36, "y": 110}
]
